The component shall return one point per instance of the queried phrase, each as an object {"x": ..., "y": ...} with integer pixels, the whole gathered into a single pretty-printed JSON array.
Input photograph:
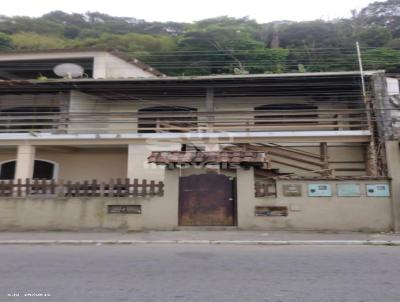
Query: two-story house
[{"x": 120, "y": 145}]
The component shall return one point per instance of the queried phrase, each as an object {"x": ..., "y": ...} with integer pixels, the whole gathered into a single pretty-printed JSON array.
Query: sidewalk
[{"x": 201, "y": 237}]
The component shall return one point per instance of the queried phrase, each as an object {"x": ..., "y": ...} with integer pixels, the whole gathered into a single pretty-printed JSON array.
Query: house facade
[{"x": 125, "y": 147}]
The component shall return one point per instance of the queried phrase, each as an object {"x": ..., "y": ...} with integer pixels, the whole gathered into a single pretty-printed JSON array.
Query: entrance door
[{"x": 206, "y": 200}]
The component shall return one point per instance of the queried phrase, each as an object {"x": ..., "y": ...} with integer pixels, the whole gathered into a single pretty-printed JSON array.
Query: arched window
[
  {"x": 157, "y": 123},
  {"x": 304, "y": 114},
  {"x": 42, "y": 169},
  {"x": 36, "y": 118}
]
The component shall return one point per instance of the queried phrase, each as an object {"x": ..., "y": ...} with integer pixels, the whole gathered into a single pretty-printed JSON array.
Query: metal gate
[{"x": 207, "y": 200}]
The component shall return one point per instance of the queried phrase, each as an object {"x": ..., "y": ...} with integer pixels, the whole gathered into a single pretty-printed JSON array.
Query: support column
[
  {"x": 393, "y": 160},
  {"x": 325, "y": 158},
  {"x": 25, "y": 162},
  {"x": 100, "y": 67},
  {"x": 210, "y": 107},
  {"x": 371, "y": 160},
  {"x": 245, "y": 197}
]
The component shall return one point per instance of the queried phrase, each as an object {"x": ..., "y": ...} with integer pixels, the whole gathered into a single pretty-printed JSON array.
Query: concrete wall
[
  {"x": 314, "y": 213},
  {"x": 91, "y": 213},
  {"x": 305, "y": 213},
  {"x": 106, "y": 65},
  {"x": 109, "y": 66},
  {"x": 86, "y": 103},
  {"x": 393, "y": 160}
]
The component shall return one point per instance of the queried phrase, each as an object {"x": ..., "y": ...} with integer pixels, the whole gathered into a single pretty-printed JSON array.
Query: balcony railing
[
  {"x": 220, "y": 121},
  {"x": 52, "y": 188}
]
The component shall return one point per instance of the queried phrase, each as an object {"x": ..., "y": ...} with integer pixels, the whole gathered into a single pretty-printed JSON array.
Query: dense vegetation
[{"x": 223, "y": 44}]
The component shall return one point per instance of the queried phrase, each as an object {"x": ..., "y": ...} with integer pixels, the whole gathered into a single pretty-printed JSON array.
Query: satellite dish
[
  {"x": 69, "y": 70},
  {"x": 395, "y": 100}
]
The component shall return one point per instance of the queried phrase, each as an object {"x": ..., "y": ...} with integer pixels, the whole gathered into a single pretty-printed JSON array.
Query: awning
[{"x": 242, "y": 158}]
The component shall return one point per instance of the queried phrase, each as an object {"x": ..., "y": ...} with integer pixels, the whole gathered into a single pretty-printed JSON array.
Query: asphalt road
[{"x": 200, "y": 273}]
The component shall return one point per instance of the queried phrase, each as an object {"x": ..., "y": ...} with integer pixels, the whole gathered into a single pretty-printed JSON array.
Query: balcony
[{"x": 56, "y": 122}]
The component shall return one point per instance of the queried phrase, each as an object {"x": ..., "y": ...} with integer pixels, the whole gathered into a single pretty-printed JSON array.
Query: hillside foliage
[{"x": 223, "y": 44}]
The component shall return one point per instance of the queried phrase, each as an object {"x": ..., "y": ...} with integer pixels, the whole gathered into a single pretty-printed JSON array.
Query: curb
[{"x": 204, "y": 242}]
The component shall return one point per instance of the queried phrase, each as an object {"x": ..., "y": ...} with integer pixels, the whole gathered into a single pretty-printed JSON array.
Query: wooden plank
[
  {"x": 295, "y": 166},
  {"x": 160, "y": 188},
  {"x": 135, "y": 187},
  {"x": 144, "y": 187}
]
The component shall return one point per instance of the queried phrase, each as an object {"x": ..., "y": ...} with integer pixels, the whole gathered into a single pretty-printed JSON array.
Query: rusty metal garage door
[{"x": 206, "y": 200}]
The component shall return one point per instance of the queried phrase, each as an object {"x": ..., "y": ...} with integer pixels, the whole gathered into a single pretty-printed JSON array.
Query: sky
[{"x": 192, "y": 10}]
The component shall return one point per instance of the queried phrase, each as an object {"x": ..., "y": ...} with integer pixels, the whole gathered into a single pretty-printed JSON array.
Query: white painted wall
[{"x": 106, "y": 65}]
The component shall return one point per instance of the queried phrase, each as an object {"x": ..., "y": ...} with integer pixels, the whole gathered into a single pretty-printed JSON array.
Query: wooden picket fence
[{"x": 93, "y": 188}]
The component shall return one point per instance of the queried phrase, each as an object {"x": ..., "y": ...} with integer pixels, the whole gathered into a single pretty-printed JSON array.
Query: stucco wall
[
  {"x": 305, "y": 213},
  {"x": 314, "y": 213},
  {"x": 91, "y": 213},
  {"x": 109, "y": 66},
  {"x": 82, "y": 164}
]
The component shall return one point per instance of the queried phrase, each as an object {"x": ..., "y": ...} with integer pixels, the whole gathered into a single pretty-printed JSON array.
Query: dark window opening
[
  {"x": 21, "y": 119},
  {"x": 164, "y": 122},
  {"x": 41, "y": 170},
  {"x": 304, "y": 114},
  {"x": 34, "y": 69},
  {"x": 7, "y": 170}
]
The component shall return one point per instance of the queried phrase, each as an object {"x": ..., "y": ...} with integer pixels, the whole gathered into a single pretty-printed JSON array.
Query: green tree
[
  {"x": 225, "y": 45},
  {"x": 386, "y": 14},
  {"x": 29, "y": 41},
  {"x": 5, "y": 42},
  {"x": 381, "y": 58},
  {"x": 374, "y": 36}
]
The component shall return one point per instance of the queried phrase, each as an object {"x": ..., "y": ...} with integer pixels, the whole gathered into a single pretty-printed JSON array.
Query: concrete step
[{"x": 207, "y": 228}]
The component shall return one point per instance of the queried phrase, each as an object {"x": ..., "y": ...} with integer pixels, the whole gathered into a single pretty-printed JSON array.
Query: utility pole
[
  {"x": 361, "y": 70},
  {"x": 371, "y": 154}
]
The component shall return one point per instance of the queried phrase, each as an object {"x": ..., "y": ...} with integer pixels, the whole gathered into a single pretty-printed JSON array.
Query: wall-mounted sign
[
  {"x": 124, "y": 209},
  {"x": 348, "y": 190},
  {"x": 378, "y": 190},
  {"x": 319, "y": 190},
  {"x": 291, "y": 190},
  {"x": 271, "y": 211}
]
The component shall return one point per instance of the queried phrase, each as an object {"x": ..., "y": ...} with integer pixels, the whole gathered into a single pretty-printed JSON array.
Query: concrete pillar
[
  {"x": 170, "y": 208},
  {"x": 25, "y": 162},
  {"x": 245, "y": 196},
  {"x": 393, "y": 162},
  {"x": 100, "y": 67},
  {"x": 210, "y": 107}
]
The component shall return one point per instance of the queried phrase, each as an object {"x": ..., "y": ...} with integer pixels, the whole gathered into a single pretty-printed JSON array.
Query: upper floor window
[
  {"x": 23, "y": 119},
  {"x": 168, "y": 119},
  {"x": 280, "y": 114}
]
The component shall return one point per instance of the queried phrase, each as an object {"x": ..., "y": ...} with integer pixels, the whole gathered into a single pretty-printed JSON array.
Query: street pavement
[
  {"x": 199, "y": 235},
  {"x": 204, "y": 273}
]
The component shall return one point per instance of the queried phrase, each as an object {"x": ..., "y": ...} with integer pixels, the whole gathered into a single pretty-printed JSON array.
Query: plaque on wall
[
  {"x": 291, "y": 190},
  {"x": 319, "y": 190},
  {"x": 378, "y": 190},
  {"x": 271, "y": 211},
  {"x": 124, "y": 209},
  {"x": 348, "y": 190}
]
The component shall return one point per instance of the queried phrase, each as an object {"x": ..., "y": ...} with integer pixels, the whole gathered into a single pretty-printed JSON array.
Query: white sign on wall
[{"x": 393, "y": 86}]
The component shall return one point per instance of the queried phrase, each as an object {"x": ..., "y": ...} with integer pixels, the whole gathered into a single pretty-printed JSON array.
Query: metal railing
[{"x": 220, "y": 121}]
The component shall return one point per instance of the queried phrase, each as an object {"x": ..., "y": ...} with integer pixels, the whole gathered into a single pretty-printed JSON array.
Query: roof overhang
[
  {"x": 311, "y": 84},
  {"x": 353, "y": 136}
]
